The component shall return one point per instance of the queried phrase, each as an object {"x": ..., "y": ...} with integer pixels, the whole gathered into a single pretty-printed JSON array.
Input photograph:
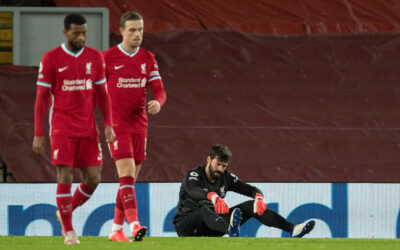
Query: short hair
[
  {"x": 221, "y": 152},
  {"x": 129, "y": 16},
  {"x": 73, "y": 18}
]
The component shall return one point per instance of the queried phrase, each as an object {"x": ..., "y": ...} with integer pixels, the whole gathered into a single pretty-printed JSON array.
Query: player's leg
[
  {"x": 139, "y": 151},
  {"x": 117, "y": 232},
  {"x": 63, "y": 156},
  {"x": 120, "y": 149},
  {"x": 89, "y": 161},
  {"x": 123, "y": 153},
  {"x": 126, "y": 170},
  {"x": 138, "y": 167},
  {"x": 273, "y": 219},
  {"x": 202, "y": 222},
  {"x": 64, "y": 197},
  {"x": 268, "y": 218},
  {"x": 206, "y": 222},
  {"x": 139, "y": 154}
]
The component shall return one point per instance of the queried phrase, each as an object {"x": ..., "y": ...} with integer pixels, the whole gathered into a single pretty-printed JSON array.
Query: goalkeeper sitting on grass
[{"x": 201, "y": 210}]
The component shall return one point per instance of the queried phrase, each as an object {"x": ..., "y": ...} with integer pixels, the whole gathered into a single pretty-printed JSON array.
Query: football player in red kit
[
  {"x": 130, "y": 70},
  {"x": 73, "y": 76}
]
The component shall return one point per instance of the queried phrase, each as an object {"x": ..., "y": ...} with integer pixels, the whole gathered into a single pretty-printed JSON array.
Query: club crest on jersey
[
  {"x": 116, "y": 145},
  {"x": 88, "y": 84},
  {"x": 222, "y": 191},
  {"x": 143, "y": 68},
  {"x": 88, "y": 68}
]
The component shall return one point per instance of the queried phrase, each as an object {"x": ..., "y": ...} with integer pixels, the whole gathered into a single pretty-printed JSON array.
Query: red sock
[
  {"x": 128, "y": 197},
  {"x": 64, "y": 205},
  {"x": 81, "y": 195},
  {"x": 119, "y": 214}
]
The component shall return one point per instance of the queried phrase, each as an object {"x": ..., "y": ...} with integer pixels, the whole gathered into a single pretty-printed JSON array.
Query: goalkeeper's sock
[
  {"x": 64, "y": 205},
  {"x": 81, "y": 195},
  {"x": 128, "y": 197}
]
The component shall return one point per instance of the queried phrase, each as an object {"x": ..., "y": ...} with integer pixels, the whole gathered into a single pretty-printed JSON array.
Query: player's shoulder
[
  {"x": 230, "y": 175},
  {"x": 53, "y": 52},
  {"x": 146, "y": 53},
  {"x": 197, "y": 171},
  {"x": 110, "y": 51},
  {"x": 92, "y": 51}
]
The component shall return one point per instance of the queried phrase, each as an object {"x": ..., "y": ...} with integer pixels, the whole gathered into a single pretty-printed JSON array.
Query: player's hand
[
  {"x": 109, "y": 133},
  {"x": 153, "y": 107},
  {"x": 260, "y": 205},
  {"x": 38, "y": 145},
  {"x": 219, "y": 204}
]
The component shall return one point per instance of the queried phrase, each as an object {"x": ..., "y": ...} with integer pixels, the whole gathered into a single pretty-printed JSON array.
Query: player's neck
[
  {"x": 129, "y": 49},
  {"x": 72, "y": 49}
]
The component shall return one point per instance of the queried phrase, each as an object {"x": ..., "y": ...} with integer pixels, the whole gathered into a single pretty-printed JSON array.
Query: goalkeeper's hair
[
  {"x": 221, "y": 152},
  {"x": 73, "y": 18}
]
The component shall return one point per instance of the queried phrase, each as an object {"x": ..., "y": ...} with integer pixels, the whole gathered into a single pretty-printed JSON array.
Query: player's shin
[{"x": 81, "y": 195}]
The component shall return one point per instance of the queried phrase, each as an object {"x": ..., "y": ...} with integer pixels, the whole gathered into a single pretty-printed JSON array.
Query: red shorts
[
  {"x": 76, "y": 152},
  {"x": 129, "y": 146}
]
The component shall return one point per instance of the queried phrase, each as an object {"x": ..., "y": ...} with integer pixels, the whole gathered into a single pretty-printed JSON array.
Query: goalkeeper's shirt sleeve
[
  {"x": 193, "y": 187},
  {"x": 239, "y": 186}
]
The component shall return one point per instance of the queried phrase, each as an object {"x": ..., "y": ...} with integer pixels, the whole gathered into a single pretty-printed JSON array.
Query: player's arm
[
  {"x": 105, "y": 108},
  {"x": 42, "y": 97},
  {"x": 104, "y": 100},
  {"x": 196, "y": 192},
  {"x": 193, "y": 186},
  {"x": 157, "y": 87},
  {"x": 44, "y": 83},
  {"x": 239, "y": 186}
]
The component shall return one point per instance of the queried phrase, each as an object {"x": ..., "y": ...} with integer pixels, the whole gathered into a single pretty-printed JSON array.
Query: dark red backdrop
[{"x": 309, "y": 108}]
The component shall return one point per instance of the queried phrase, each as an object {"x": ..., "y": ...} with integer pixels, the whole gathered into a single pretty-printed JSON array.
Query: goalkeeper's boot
[
  {"x": 118, "y": 236},
  {"x": 236, "y": 218},
  {"x": 71, "y": 238},
  {"x": 59, "y": 219},
  {"x": 302, "y": 229},
  {"x": 139, "y": 232}
]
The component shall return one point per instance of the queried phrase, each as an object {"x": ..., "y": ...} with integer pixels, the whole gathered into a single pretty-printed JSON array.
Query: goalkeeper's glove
[
  {"x": 219, "y": 203},
  {"x": 259, "y": 204}
]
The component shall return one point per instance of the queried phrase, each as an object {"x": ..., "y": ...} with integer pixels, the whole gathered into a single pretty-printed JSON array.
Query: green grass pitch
[{"x": 189, "y": 243}]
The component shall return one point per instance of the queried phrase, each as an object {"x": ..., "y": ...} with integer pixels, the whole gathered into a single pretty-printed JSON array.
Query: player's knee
[
  {"x": 247, "y": 208},
  {"x": 64, "y": 174},
  {"x": 93, "y": 180}
]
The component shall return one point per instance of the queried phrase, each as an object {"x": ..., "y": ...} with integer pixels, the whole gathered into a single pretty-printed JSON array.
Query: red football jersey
[
  {"x": 71, "y": 77},
  {"x": 128, "y": 77}
]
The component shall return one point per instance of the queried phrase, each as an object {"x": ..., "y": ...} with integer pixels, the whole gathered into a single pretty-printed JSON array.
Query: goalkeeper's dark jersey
[{"x": 196, "y": 186}]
